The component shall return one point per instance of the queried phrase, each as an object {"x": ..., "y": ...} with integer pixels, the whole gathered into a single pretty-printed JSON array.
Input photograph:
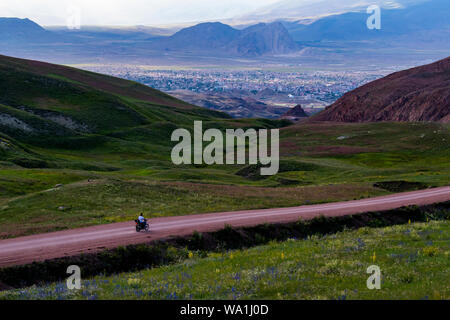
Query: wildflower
[
  {"x": 374, "y": 257},
  {"x": 430, "y": 251},
  {"x": 282, "y": 255},
  {"x": 437, "y": 295},
  {"x": 361, "y": 243},
  {"x": 191, "y": 255},
  {"x": 133, "y": 281}
]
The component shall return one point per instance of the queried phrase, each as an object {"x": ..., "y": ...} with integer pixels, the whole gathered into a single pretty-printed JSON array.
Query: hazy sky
[{"x": 128, "y": 12}]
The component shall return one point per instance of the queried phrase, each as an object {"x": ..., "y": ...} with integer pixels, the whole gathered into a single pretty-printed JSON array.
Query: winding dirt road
[{"x": 71, "y": 242}]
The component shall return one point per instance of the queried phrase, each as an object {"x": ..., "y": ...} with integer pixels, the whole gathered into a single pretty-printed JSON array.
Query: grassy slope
[
  {"x": 125, "y": 153},
  {"x": 413, "y": 260}
]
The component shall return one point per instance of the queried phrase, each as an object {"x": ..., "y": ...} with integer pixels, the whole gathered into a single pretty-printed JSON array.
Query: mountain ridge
[
  {"x": 423, "y": 24},
  {"x": 414, "y": 95},
  {"x": 425, "y": 20},
  {"x": 256, "y": 40},
  {"x": 16, "y": 30}
]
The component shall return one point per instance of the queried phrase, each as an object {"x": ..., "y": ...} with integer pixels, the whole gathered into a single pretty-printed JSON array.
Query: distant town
[{"x": 314, "y": 89}]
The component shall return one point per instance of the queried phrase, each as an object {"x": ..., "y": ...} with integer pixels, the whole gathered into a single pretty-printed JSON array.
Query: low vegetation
[
  {"x": 413, "y": 259},
  {"x": 103, "y": 186},
  {"x": 169, "y": 251}
]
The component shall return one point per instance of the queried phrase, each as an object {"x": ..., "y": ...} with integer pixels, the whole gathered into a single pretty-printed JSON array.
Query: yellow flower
[
  {"x": 231, "y": 256},
  {"x": 133, "y": 281},
  {"x": 437, "y": 295},
  {"x": 374, "y": 257},
  {"x": 430, "y": 251},
  {"x": 282, "y": 255},
  {"x": 191, "y": 255}
]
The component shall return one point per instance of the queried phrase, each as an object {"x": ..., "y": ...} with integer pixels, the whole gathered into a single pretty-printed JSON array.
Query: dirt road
[{"x": 71, "y": 242}]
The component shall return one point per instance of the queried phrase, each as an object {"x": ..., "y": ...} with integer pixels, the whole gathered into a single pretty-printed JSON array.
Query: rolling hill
[
  {"x": 415, "y": 95},
  {"x": 54, "y": 106},
  {"x": 40, "y": 92}
]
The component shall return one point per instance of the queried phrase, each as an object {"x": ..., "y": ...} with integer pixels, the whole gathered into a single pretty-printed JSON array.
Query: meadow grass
[
  {"x": 130, "y": 172},
  {"x": 104, "y": 201},
  {"x": 413, "y": 259}
]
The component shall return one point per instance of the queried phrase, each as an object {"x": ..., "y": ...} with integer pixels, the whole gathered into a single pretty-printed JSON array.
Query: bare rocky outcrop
[
  {"x": 295, "y": 114},
  {"x": 58, "y": 118},
  {"x": 68, "y": 122},
  {"x": 12, "y": 122}
]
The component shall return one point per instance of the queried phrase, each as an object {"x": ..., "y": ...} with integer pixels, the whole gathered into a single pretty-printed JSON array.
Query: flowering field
[{"x": 413, "y": 258}]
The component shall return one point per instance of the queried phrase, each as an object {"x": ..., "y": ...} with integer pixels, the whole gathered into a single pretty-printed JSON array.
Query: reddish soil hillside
[{"x": 418, "y": 94}]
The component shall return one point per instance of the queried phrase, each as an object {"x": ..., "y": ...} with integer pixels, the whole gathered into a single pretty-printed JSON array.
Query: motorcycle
[{"x": 142, "y": 226}]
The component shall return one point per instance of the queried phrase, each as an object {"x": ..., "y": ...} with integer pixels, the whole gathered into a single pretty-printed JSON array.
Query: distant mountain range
[
  {"x": 333, "y": 29},
  {"x": 423, "y": 22},
  {"x": 22, "y": 31},
  {"x": 257, "y": 40},
  {"x": 96, "y": 33},
  {"x": 418, "y": 94}
]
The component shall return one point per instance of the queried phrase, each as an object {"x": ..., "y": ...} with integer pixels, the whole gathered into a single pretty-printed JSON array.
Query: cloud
[{"x": 128, "y": 12}]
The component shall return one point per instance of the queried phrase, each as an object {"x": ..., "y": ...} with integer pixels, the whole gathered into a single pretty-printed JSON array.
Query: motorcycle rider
[{"x": 142, "y": 220}]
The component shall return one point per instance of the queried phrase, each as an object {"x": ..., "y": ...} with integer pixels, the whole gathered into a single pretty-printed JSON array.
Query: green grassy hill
[
  {"x": 52, "y": 105},
  {"x": 61, "y": 108}
]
